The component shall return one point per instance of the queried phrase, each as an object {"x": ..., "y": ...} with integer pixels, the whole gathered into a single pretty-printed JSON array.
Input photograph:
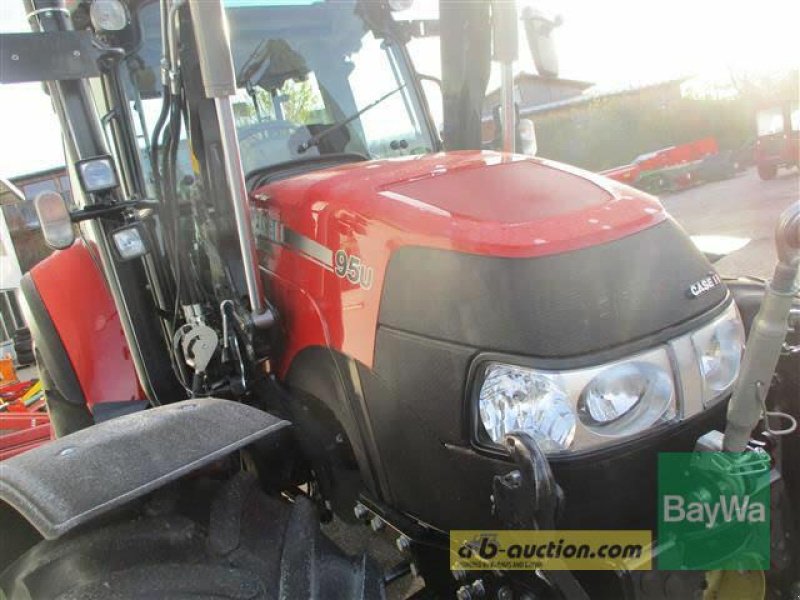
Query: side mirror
[
  {"x": 51, "y": 208},
  {"x": 539, "y": 31},
  {"x": 432, "y": 89}
]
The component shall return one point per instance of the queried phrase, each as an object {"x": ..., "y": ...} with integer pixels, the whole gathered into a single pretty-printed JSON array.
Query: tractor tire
[
  {"x": 25, "y": 359},
  {"x": 767, "y": 172},
  {"x": 23, "y": 346},
  {"x": 217, "y": 541}
]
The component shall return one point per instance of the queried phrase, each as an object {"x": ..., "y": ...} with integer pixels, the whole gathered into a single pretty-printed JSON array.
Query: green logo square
[{"x": 713, "y": 511}]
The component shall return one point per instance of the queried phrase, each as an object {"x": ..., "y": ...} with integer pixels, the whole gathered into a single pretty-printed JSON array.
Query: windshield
[
  {"x": 302, "y": 68},
  {"x": 770, "y": 121}
]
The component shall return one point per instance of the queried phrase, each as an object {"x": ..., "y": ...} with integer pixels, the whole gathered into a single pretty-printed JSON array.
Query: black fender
[
  {"x": 333, "y": 427},
  {"x": 73, "y": 480},
  {"x": 65, "y": 399}
]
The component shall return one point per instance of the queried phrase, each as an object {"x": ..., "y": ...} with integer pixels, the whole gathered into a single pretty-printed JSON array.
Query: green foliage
[
  {"x": 299, "y": 104},
  {"x": 300, "y": 101},
  {"x": 245, "y": 111}
]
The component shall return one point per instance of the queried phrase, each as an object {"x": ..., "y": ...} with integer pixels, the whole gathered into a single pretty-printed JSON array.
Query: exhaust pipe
[{"x": 767, "y": 335}]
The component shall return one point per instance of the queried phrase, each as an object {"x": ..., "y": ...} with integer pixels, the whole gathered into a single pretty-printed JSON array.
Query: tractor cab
[
  {"x": 290, "y": 301},
  {"x": 317, "y": 83}
]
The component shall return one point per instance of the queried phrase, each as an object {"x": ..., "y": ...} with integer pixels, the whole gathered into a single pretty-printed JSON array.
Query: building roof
[
  {"x": 596, "y": 94},
  {"x": 36, "y": 175},
  {"x": 524, "y": 76}
]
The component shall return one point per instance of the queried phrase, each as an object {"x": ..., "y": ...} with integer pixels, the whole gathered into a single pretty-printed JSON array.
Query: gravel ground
[{"x": 743, "y": 207}]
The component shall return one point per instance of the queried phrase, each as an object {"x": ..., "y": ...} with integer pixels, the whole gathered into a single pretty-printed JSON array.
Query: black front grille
[{"x": 563, "y": 305}]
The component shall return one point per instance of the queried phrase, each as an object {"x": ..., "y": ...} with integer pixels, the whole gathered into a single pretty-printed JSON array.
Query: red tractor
[
  {"x": 289, "y": 300},
  {"x": 778, "y": 143}
]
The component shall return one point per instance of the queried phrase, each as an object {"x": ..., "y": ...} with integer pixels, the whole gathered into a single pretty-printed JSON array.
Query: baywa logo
[
  {"x": 714, "y": 511},
  {"x": 726, "y": 509}
]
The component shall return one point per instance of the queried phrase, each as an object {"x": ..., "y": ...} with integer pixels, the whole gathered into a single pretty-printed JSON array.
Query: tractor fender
[
  {"x": 332, "y": 425},
  {"x": 79, "y": 340},
  {"x": 74, "y": 479}
]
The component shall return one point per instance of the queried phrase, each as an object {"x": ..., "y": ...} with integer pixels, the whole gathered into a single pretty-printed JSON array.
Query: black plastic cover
[
  {"x": 50, "y": 56},
  {"x": 568, "y": 304},
  {"x": 71, "y": 480}
]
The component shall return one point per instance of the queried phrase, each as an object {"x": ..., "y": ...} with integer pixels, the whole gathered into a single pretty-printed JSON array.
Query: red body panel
[
  {"x": 74, "y": 291},
  {"x": 472, "y": 202}
]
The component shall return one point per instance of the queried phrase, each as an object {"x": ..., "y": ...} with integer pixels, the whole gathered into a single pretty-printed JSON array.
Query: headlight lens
[
  {"x": 577, "y": 409},
  {"x": 97, "y": 174},
  {"x": 517, "y": 399},
  {"x": 626, "y": 398},
  {"x": 108, "y": 15},
  {"x": 719, "y": 348},
  {"x": 587, "y": 408}
]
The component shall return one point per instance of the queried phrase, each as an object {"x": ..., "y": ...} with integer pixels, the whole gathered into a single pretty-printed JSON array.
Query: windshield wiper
[{"x": 314, "y": 140}]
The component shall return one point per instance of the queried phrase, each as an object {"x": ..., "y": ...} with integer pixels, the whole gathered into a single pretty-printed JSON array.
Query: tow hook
[{"x": 529, "y": 498}]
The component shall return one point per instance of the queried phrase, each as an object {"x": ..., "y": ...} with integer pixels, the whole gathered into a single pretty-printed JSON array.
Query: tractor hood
[
  {"x": 478, "y": 202},
  {"x": 482, "y": 249}
]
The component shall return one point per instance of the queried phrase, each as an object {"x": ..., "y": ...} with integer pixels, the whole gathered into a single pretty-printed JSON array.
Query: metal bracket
[
  {"x": 794, "y": 322},
  {"x": 48, "y": 56},
  {"x": 761, "y": 395},
  {"x": 199, "y": 344},
  {"x": 529, "y": 498},
  {"x": 790, "y": 349}
]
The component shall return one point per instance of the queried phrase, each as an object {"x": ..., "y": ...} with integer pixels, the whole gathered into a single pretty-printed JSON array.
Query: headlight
[
  {"x": 583, "y": 409},
  {"x": 516, "y": 399},
  {"x": 577, "y": 409},
  {"x": 108, "y": 15},
  {"x": 129, "y": 241},
  {"x": 97, "y": 174},
  {"x": 626, "y": 398},
  {"x": 719, "y": 348}
]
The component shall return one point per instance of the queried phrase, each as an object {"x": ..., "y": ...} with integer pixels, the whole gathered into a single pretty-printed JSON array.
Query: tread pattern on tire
[{"x": 235, "y": 543}]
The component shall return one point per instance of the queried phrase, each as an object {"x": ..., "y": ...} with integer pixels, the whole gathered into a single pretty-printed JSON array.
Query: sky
[{"x": 612, "y": 43}]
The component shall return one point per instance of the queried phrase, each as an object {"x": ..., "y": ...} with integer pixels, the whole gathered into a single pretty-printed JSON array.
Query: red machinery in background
[
  {"x": 778, "y": 143},
  {"x": 675, "y": 167},
  {"x": 24, "y": 422}
]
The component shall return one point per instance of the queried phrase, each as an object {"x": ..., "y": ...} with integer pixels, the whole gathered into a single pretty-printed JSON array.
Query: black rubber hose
[{"x": 154, "y": 141}]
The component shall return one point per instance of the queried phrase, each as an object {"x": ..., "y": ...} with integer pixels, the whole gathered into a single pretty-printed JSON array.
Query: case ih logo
[{"x": 707, "y": 283}]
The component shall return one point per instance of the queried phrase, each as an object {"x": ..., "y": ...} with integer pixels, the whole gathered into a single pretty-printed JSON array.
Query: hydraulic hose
[
  {"x": 154, "y": 140},
  {"x": 767, "y": 335}
]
